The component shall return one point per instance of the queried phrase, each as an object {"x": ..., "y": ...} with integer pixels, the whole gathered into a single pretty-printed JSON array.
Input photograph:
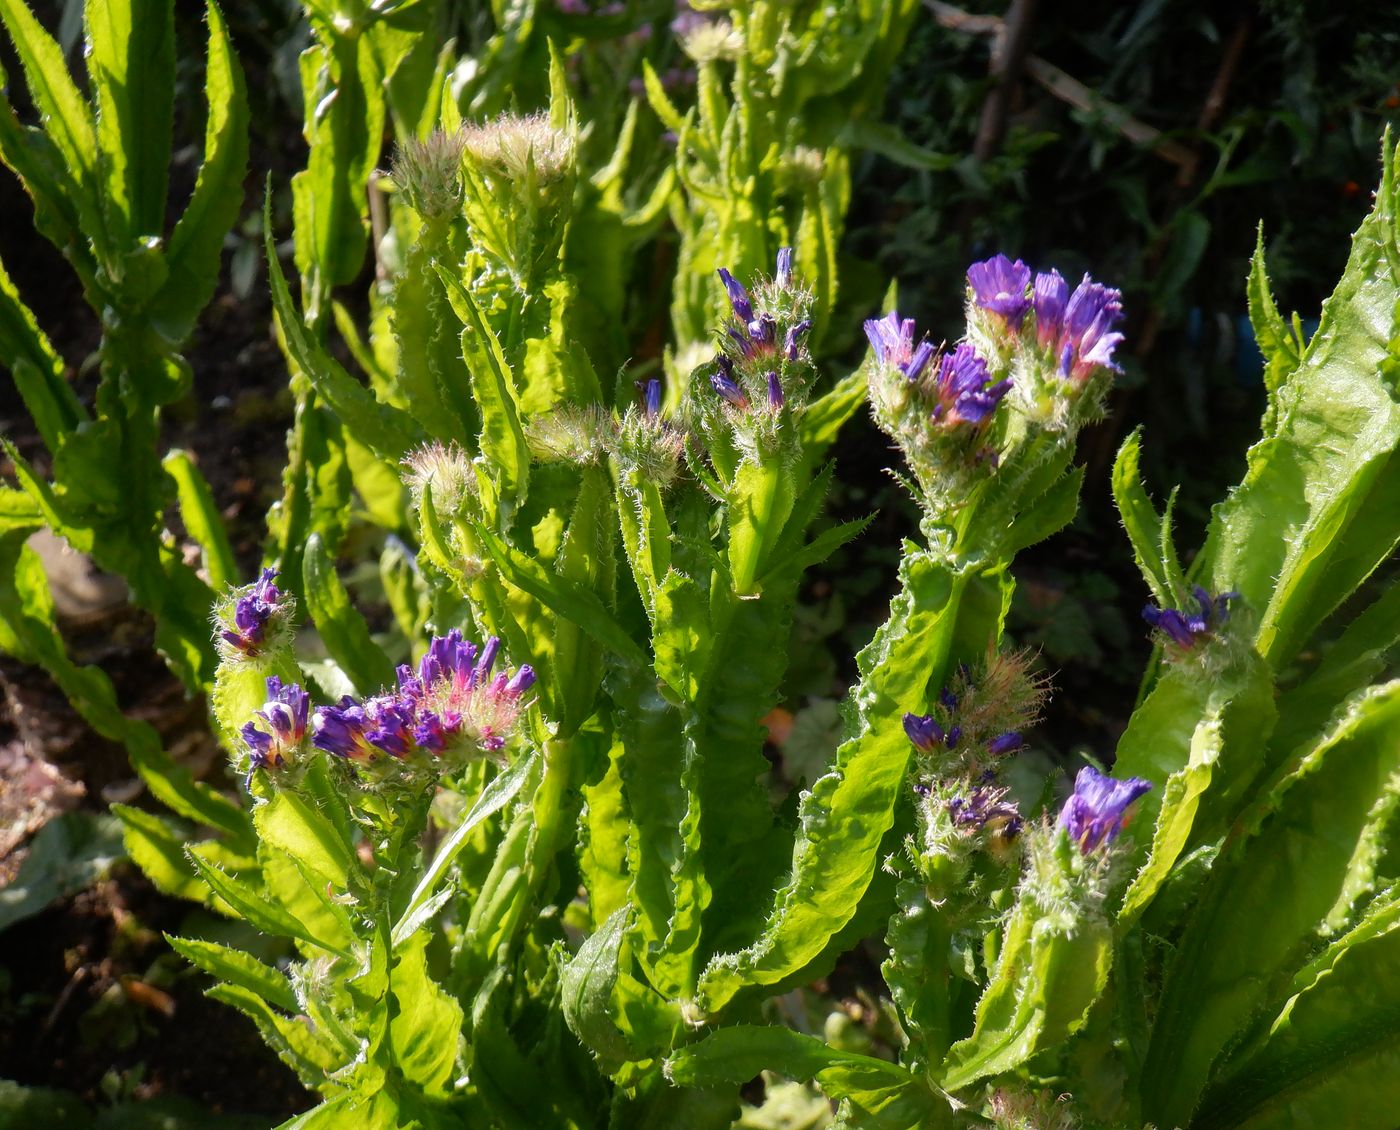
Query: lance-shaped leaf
[
  {"x": 890, "y": 1096},
  {"x": 426, "y": 1023},
  {"x": 848, "y": 811},
  {"x": 1279, "y": 342},
  {"x": 1142, "y": 522},
  {"x": 1294, "y": 853},
  {"x": 502, "y": 439},
  {"x": 494, "y": 797},
  {"x": 342, "y": 627},
  {"x": 197, "y": 242},
  {"x": 37, "y": 369},
  {"x": 238, "y": 968},
  {"x": 131, "y": 70},
  {"x": 202, "y": 519},
  {"x": 1327, "y": 1057},
  {"x": 387, "y": 430},
  {"x": 1332, "y": 445}
]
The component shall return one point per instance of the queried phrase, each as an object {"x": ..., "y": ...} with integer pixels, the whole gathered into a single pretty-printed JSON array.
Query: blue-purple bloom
[
  {"x": 892, "y": 338},
  {"x": 283, "y": 718},
  {"x": 792, "y": 345},
  {"x": 985, "y": 806},
  {"x": 775, "y": 391},
  {"x": 1185, "y": 629},
  {"x": 926, "y": 734},
  {"x": 252, "y": 612},
  {"x": 738, "y": 296},
  {"x": 784, "y": 276},
  {"x": 452, "y": 699},
  {"x": 722, "y": 381},
  {"x": 1099, "y": 807},
  {"x": 1008, "y": 742},
  {"x": 999, "y": 285},
  {"x": 1086, "y": 339},
  {"x": 651, "y": 398},
  {"x": 1049, "y": 296},
  {"x": 964, "y": 393}
]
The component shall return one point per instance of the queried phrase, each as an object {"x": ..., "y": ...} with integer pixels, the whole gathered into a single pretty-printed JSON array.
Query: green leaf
[
  {"x": 296, "y": 826},
  {"x": 1269, "y": 895},
  {"x": 196, "y": 245},
  {"x": 1049, "y": 974},
  {"x": 1309, "y": 482},
  {"x": 1048, "y": 514},
  {"x": 1325, "y": 1057},
  {"x": 159, "y": 850},
  {"x": 736, "y": 1055},
  {"x": 759, "y": 501},
  {"x": 238, "y": 968},
  {"x": 250, "y": 903},
  {"x": 131, "y": 71},
  {"x": 562, "y": 596},
  {"x": 824, "y": 417},
  {"x": 341, "y": 626},
  {"x": 65, "y": 115},
  {"x": 493, "y": 798},
  {"x": 1141, "y": 521},
  {"x": 427, "y": 1023},
  {"x": 388, "y": 431},
  {"x": 1281, "y": 349},
  {"x": 846, "y": 814},
  {"x": 310, "y": 1056},
  {"x": 202, "y": 519},
  {"x": 502, "y": 439},
  {"x": 587, "y": 981},
  {"x": 36, "y": 368}
]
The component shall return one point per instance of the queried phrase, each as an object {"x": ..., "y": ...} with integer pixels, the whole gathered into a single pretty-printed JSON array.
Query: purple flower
[
  {"x": 284, "y": 717},
  {"x": 651, "y": 398},
  {"x": 775, "y": 391},
  {"x": 722, "y": 381},
  {"x": 1099, "y": 807},
  {"x": 1185, "y": 629},
  {"x": 738, "y": 296},
  {"x": 924, "y": 731},
  {"x": 763, "y": 333},
  {"x": 892, "y": 338},
  {"x": 251, "y": 614},
  {"x": 985, "y": 806},
  {"x": 999, "y": 285},
  {"x": 963, "y": 391},
  {"x": 784, "y": 276},
  {"x": 1086, "y": 340},
  {"x": 460, "y": 701},
  {"x": 792, "y": 345},
  {"x": 340, "y": 730},
  {"x": 1008, "y": 742},
  {"x": 1050, "y": 294},
  {"x": 389, "y": 724}
]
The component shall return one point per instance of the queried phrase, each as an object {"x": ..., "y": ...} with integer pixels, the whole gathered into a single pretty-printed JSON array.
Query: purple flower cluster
[
  {"x": 276, "y": 741},
  {"x": 982, "y": 804},
  {"x": 451, "y": 702},
  {"x": 999, "y": 285},
  {"x": 961, "y": 385},
  {"x": 892, "y": 338},
  {"x": 1076, "y": 329},
  {"x": 765, "y": 336},
  {"x": 1186, "y": 629},
  {"x": 985, "y": 806},
  {"x": 965, "y": 391},
  {"x": 252, "y": 613},
  {"x": 1099, "y": 807},
  {"x": 756, "y": 335}
]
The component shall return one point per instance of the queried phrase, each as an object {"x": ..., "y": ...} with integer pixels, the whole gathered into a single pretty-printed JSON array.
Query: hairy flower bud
[
  {"x": 430, "y": 173},
  {"x": 254, "y": 619}
]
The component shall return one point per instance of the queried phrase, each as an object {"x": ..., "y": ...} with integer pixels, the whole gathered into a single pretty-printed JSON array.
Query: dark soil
[{"x": 89, "y": 991}]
